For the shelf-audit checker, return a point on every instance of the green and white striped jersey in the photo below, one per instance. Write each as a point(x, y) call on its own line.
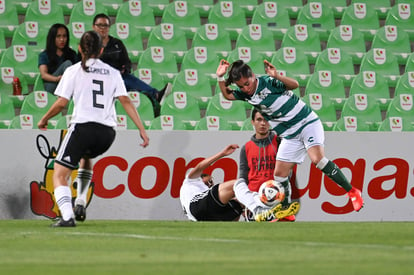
point(287, 113)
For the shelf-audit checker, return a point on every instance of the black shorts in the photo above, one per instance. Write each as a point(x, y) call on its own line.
point(209, 207)
point(85, 140)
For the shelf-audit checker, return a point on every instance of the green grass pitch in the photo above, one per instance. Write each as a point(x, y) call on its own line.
point(182, 247)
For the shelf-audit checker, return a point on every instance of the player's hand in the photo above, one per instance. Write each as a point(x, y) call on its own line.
point(230, 149)
point(145, 138)
point(222, 68)
point(42, 124)
point(270, 69)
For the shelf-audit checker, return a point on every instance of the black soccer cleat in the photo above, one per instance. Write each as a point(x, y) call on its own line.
point(63, 223)
point(80, 212)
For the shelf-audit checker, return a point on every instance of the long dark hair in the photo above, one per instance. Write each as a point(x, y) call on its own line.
point(238, 70)
point(91, 45)
point(51, 48)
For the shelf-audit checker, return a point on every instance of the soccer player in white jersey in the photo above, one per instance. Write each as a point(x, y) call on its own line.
point(93, 85)
point(202, 200)
point(299, 127)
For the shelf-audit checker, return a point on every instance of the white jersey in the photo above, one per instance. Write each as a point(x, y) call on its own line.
point(93, 92)
point(192, 189)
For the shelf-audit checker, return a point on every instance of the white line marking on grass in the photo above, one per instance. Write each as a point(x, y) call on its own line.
point(147, 237)
point(289, 243)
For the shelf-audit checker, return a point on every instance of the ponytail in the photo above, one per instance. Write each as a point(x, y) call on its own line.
point(91, 45)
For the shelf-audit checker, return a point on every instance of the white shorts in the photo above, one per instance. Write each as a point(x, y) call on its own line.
point(294, 150)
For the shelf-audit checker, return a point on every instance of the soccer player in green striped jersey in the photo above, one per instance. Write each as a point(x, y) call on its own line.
point(299, 127)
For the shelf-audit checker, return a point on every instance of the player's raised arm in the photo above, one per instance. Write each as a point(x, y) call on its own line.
point(289, 82)
point(196, 172)
point(221, 71)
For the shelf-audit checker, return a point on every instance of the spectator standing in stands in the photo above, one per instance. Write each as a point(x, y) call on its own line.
point(57, 56)
point(116, 55)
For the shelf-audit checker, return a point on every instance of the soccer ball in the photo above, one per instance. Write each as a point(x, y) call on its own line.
point(271, 193)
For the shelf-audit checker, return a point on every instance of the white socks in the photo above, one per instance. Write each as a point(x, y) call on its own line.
point(63, 197)
point(248, 198)
point(83, 181)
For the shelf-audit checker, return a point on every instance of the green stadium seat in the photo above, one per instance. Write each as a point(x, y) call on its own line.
point(247, 125)
point(351, 124)
point(144, 107)
point(81, 19)
point(368, 82)
point(26, 122)
point(272, 17)
point(38, 84)
point(318, 16)
point(396, 124)
point(328, 84)
point(234, 112)
point(138, 14)
point(3, 45)
point(365, 108)
point(6, 86)
point(7, 112)
point(294, 62)
point(402, 15)
point(213, 123)
point(382, 7)
point(112, 6)
point(22, 58)
point(160, 60)
point(384, 63)
point(183, 15)
point(9, 20)
point(292, 6)
point(257, 38)
point(304, 39)
point(337, 6)
point(45, 13)
point(31, 35)
point(131, 37)
point(250, 56)
point(204, 61)
point(171, 38)
point(183, 107)
point(338, 61)
point(394, 40)
point(167, 123)
point(189, 81)
point(63, 122)
point(409, 66)
point(151, 77)
point(405, 84)
point(324, 107)
point(228, 15)
point(76, 30)
point(204, 7)
point(37, 103)
point(215, 38)
point(363, 17)
point(350, 40)
point(21, 5)
point(248, 6)
point(67, 6)
point(401, 106)
point(157, 6)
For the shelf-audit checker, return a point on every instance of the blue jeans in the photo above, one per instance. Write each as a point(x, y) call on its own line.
point(133, 83)
point(50, 87)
